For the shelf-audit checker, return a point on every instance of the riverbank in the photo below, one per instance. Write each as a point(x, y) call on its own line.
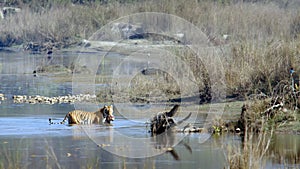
point(259, 44)
point(259, 41)
point(235, 118)
point(25, 129)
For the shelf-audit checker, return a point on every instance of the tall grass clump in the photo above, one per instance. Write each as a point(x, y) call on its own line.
point(12, 157)
point(252, 151)
point(256, 68)
point(260, 120)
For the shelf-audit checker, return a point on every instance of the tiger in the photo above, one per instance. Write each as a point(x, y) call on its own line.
point(102, 116)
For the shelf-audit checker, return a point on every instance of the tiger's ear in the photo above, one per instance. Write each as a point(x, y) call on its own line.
point(111, 106)
point(105, 106)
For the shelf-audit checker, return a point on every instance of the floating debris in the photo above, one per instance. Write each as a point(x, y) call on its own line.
point(2, 97)
point(68, 154)
point(191, 129)
point(53, 100)
point(103, 145)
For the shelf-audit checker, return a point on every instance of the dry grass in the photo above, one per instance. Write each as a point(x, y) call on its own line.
point(251, 153)
point(260, 120)
point(256, 141)
point(263, 36)
point(244, 22)
point(259, 68)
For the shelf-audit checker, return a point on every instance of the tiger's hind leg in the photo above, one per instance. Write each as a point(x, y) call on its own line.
point(66, 117)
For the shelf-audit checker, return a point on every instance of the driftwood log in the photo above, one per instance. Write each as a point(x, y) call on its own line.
point(163, 121)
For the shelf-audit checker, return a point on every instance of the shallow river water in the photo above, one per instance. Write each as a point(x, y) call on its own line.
point(28, 141)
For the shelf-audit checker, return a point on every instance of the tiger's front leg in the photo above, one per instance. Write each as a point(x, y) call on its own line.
point(97, 120)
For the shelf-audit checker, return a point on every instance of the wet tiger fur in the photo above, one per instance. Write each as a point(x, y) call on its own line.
point(103, 115)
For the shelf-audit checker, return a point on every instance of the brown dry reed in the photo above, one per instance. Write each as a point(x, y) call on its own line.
point(262, 44)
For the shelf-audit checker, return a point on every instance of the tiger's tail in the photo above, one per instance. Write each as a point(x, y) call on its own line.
point(51, 122)
point(62, 122)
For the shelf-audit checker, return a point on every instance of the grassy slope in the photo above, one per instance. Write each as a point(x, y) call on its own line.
point(263, 36)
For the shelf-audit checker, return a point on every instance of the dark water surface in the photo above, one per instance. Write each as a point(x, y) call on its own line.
point(28, 141)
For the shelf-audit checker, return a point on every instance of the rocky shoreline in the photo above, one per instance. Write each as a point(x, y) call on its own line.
point(2, 97)
point(53, 100)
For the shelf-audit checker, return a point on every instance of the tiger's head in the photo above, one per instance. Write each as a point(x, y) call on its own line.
point(108, 114)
